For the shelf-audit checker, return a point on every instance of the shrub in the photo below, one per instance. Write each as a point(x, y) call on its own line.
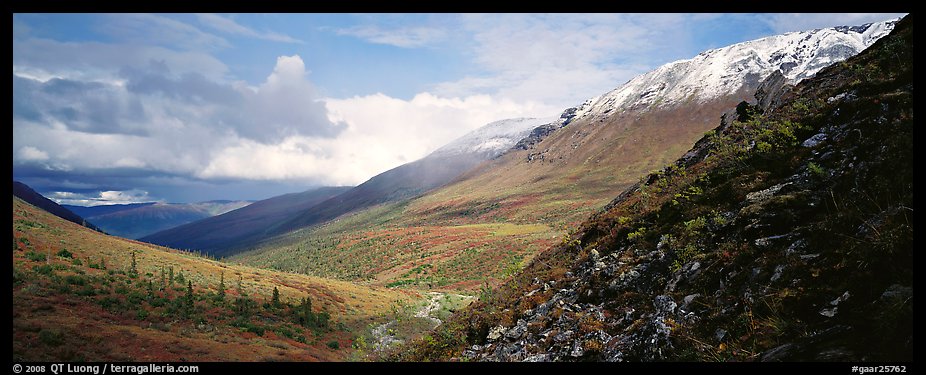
point(64, 253)
point(334, 344)
point(51, 337)
point(35, 257)
point(75, 280)
point(44, 269)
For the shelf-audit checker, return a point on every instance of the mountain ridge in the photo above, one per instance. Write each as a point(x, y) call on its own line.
point(784, 234)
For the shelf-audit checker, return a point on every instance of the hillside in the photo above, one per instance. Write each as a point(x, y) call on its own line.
point(26, 193)
point(395, 185)
point(229, 229)
point(139, 220)
point(79, 295)
point(493, 219)
point(785, 234)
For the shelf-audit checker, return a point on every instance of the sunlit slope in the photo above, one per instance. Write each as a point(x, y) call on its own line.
point(75, 298)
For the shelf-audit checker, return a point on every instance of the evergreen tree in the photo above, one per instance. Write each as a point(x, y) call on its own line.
point(180, 278)
point(170, 275)
point(163, 279)
point(189, 296)
point(221, 295)
point(133, 270)
point(275, 300)
point(308, 317)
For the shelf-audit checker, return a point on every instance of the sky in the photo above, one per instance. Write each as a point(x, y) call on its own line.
point(122, 108)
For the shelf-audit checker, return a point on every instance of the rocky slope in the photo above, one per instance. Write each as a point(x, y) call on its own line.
point(785, 234)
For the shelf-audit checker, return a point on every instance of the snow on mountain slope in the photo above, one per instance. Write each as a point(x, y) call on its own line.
point(493, 138)
point(723, 71)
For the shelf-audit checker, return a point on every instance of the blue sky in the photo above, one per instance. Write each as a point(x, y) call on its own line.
point(115, 108)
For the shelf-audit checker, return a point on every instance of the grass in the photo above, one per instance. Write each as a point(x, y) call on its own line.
point(128, 323)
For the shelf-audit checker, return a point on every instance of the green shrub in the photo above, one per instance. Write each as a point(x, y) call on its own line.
point(44, 269)
point(334, 344)
point(64, 253)
point(35, 257)
point(75, 280)
point(51, 337)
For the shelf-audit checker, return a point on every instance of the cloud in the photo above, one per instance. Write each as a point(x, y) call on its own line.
point(170, 33)
point(382, 132)
point(30, 153)
point(563, 59)
point(228, 25)
point(44, 59)
point(404, 37)
point(787, 22)
point(100, 198)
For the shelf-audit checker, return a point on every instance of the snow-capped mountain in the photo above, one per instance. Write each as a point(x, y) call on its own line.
point(492, 139)
point(726, 70)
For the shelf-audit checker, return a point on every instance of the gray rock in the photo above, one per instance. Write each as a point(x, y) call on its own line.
point(814, 140)
point(664, 305)
point(829, 312)
point(577, 350)
point(763, 195)
point(777, 354)
point(841, 298)
point(896, 292)
point(779, 269)
point(538, 358)
point(720, 334)
point(495, 333)
point(517, 331)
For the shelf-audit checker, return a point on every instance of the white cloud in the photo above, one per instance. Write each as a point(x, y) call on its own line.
point(30, 153)
point(404, 37)
point(382, 132)
point(229, 25)
point(563, 59)
point(786, 22)
point(100, 198)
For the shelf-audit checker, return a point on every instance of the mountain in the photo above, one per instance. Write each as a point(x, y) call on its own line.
point(412, 179)
point(87, 211)
point(397, 184)
point(493, 139)
point(495, 217)
point(32, 197)
point(137, 302)
point(784, 234)
point(599, 148)
point(719, 72)
point(142, 219)
point(240, 225)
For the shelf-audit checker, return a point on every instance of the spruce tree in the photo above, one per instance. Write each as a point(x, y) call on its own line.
point(275, 300)
point(133, 270)
point(221, 294)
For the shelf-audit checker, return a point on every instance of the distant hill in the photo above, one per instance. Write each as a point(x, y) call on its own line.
point(105, 209)
point(141, 219)
point(400, 183)
point(242, 225)
point(32, 197)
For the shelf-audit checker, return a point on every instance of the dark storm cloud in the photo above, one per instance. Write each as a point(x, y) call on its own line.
point(90, 107)
point(190, 87)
